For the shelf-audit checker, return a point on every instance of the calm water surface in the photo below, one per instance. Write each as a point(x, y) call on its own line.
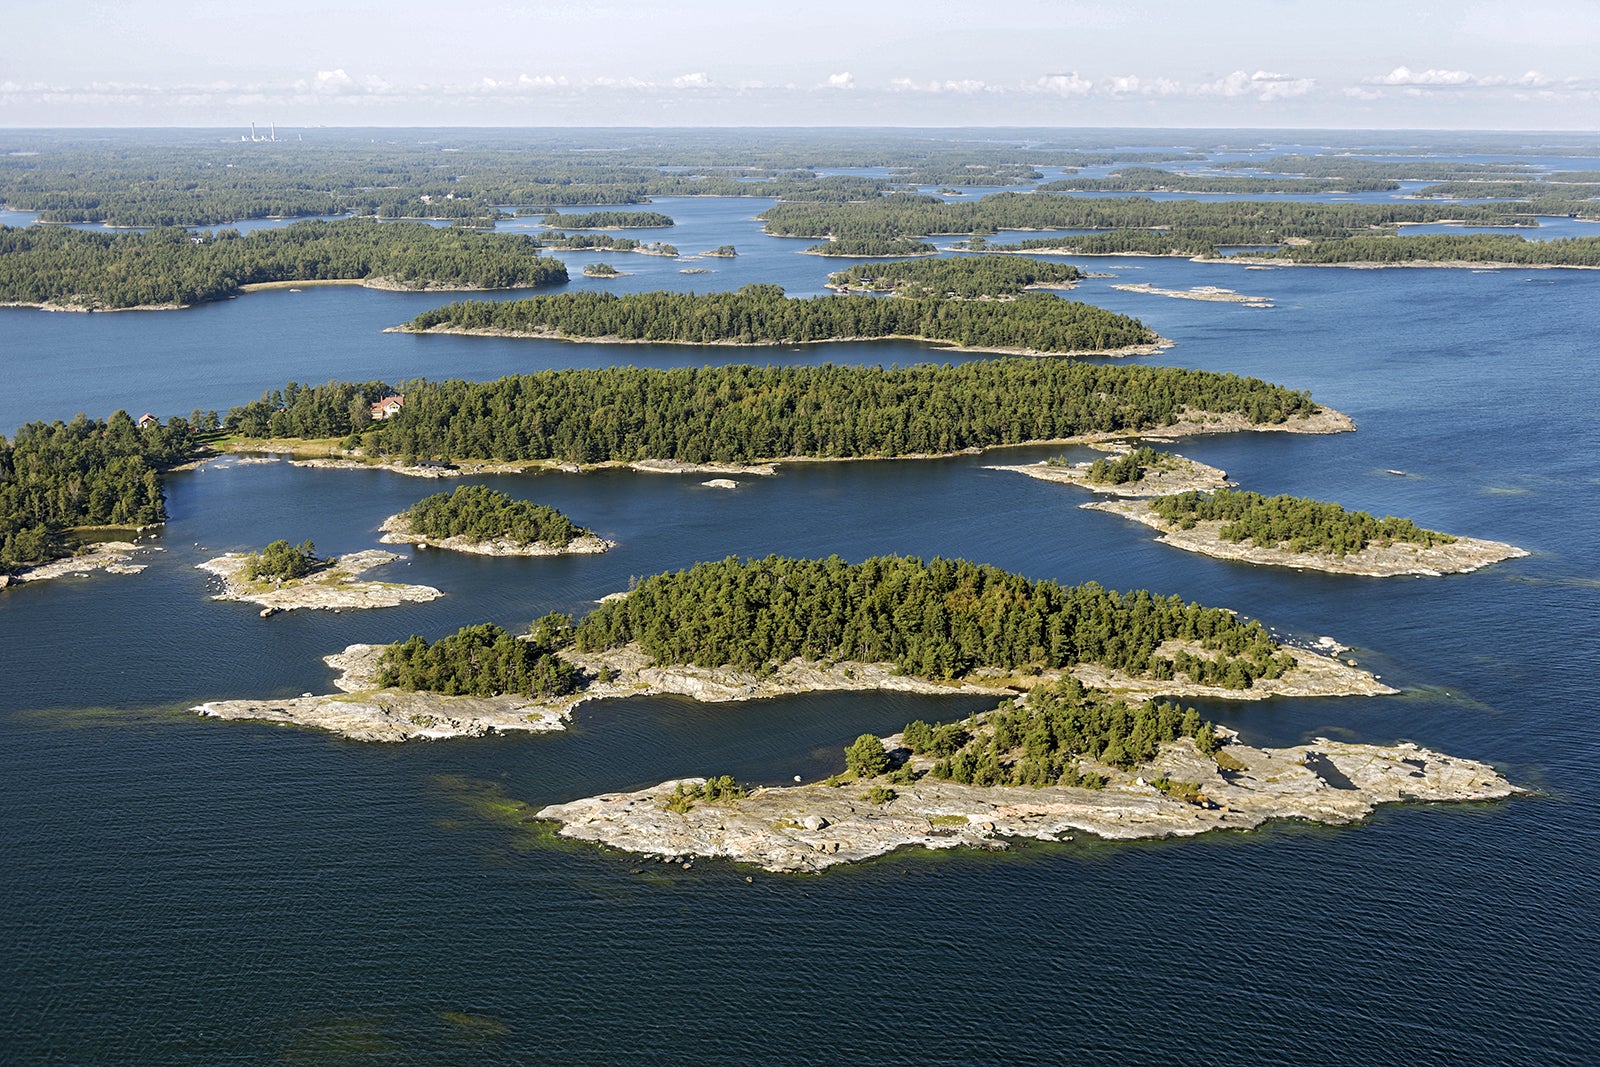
point(182, 891)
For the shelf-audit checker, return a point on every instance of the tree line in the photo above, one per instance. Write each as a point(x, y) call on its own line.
point(59, 475)
point(1251, 222)
point(1298, 523)
point(941, 619)
point(1041, 740)
point(479, 513)
point(739, 412)
point(48, 264)
point(482, 660)
point(1449, 247)
point(761, 314)
point(1156, 180)
point(965, 277)
point(610, 220)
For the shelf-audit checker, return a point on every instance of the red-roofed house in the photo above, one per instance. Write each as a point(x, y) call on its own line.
point(148, 419)
point(387, 407)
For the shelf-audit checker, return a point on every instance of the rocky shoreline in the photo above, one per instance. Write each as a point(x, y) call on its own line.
point(1461, 556)
point(1199, 292)
point(396, 533)
point(336, 587)
point(1180, 474)
point(112, 557)
point(809, 828)
point(363, 712)
point(1151, 348)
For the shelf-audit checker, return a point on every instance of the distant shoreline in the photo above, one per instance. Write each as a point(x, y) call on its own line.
point(1149, 349)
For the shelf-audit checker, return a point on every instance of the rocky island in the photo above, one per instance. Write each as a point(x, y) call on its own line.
point(732, 630)
point(1295, 532)
point(487, 522)
point(326, 584)
point(1180, 793)
point(1128, 472)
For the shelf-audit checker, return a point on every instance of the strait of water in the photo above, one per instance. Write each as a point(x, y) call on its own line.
point(182, 891)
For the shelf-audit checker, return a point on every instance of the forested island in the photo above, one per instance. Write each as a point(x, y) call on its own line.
point(872, 247)
point(965, 278)
point(739, 414)
point(1155, 180)
point(57, 477)
point(735, 630)
point(763, 315)
point(610, 220)
point(484, 521)
point(600, 242)
point(1061, 761)
point(57, 267)
point(1298, 532)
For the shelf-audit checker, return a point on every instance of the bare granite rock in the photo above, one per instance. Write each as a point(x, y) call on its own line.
point(1460, 556)
point(113, 557)
point(805, 829)
point(336, 587)
point(364, 712)
point(1180, 475)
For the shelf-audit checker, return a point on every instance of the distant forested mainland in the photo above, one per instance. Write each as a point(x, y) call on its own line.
point(1296, 523)
point(740, 413)
point(87, 472)
point(761, 314)
point(966, 277)
point(939, 619)
point(64, 267)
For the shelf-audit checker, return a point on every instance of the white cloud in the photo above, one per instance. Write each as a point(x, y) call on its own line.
point(1407, 76)
point(698, 80)
point(1263, 85)
point(842, 80)
point(1065, 84)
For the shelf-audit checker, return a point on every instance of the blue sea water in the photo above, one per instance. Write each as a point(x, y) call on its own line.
point(183, 891)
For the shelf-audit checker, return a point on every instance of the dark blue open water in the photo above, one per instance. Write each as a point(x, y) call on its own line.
point(180, 891)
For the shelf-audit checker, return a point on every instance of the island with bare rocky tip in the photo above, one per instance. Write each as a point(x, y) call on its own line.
point(732, 631)
point(1128, 472)
point(283, 577)
point(487, 522)
point(1061, 762)
point(1287, 531)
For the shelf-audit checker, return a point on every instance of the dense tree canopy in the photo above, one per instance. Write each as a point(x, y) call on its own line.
point(1296, 523)
point(1040, 740)
point(761, 314)
point(49, 264)
point(54, 476)
point(734, 413)
point(481, 660)
point(610, 220)
point(941, 619)
point(282, 561)
point(479, 513)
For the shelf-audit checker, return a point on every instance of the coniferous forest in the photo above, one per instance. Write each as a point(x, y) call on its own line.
point(761, 314)
point(479, 513)
point(1300, 524)
point(739, 413)
point(76, 268)
point(940, 619)
point(100, 472)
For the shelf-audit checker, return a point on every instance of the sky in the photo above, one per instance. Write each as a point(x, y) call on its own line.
point(1347, 64)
